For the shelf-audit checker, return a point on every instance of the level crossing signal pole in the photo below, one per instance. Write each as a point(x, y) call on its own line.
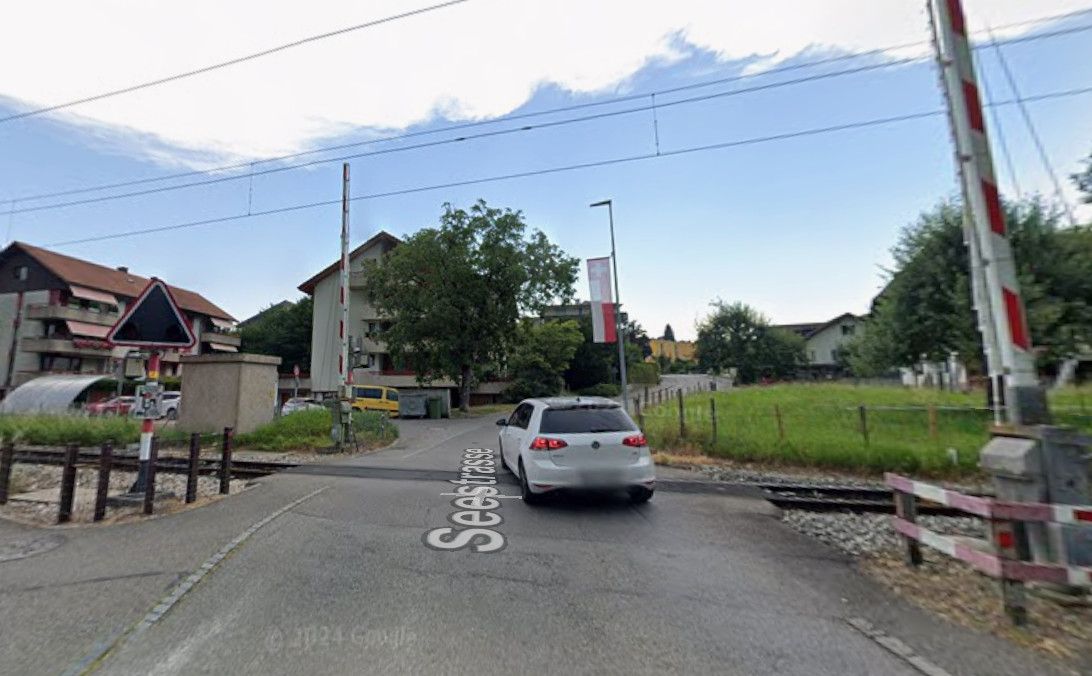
point(345, 368)
point(998, 302)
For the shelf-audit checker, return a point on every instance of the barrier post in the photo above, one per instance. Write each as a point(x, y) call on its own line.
point(906, 508)
point(191, 469)
point(68, 483)
point(7, 457)
point(225, 462)
point(102, 489)
point(149, 484)
point(1005, 536)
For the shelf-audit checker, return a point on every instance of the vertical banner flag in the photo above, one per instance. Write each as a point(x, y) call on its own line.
point(602, 304)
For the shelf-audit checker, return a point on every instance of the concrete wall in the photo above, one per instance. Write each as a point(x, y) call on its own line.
point(9, 337)
point(228, 390)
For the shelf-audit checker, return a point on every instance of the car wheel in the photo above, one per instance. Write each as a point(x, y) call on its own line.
point(500, 451)
point(529, 498)
point(639, 495)
point(172, 414)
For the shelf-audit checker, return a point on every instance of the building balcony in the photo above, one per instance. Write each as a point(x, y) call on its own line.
point(78, 347)
point(66, 313)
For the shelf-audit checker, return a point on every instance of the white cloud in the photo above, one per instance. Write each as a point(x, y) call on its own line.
point(476, 60)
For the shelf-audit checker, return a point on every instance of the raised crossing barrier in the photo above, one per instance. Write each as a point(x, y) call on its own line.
point(1009, 560)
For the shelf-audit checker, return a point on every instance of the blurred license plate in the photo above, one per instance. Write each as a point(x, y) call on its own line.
point(600, 477)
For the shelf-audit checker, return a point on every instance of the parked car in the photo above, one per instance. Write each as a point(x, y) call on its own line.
point(576, 442)
point(112, 406)
point(170, 403)
point(376, 398)
point(299, 404)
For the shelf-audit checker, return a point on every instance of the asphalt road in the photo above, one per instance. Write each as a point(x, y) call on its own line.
point(345, 582)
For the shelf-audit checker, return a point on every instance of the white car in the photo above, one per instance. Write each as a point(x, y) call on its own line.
point(576, 442)
point(300, 404)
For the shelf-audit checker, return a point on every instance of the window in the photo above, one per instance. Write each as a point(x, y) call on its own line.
point(811, 355)
point(834, 356)
point(392, 395)
point(585, 420)
point(521, 417)
point(20, 272)
point(369, 393)
point(848, 329)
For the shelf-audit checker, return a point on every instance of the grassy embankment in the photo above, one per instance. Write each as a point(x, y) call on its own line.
point(821, 426)
point(300, 431)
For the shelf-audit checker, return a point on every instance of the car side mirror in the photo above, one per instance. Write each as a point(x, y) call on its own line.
point(502, 423)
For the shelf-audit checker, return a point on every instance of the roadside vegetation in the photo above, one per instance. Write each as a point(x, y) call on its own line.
point(58, 430)
point(919, 431)
point(310, 429)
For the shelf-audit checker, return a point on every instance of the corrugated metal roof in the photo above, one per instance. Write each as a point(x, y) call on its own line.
point(47, 394)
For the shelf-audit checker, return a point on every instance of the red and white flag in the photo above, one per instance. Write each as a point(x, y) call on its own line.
point(602, 304)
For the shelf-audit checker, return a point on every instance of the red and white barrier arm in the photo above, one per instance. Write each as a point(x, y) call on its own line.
point(993, 509)
point(995, 566)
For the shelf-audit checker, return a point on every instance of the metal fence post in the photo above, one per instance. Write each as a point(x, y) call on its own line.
point(682, 416)
point(7, 457)
point(68, 483)
point(102, 488)
point(149, 484)
point(191, 473)
point(1012, 591)
point(933, 422)
point(906, 508)
point(225, 462)
point(780, 422)
point(862, 412)
point(713, 418)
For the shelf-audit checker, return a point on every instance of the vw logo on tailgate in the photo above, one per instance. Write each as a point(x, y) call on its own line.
point(595, 444)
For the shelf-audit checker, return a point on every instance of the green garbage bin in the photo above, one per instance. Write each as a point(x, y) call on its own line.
point(435, 408)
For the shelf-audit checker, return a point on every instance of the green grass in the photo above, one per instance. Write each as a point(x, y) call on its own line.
point(484, 410)
point(310, 429)
point(822, 426)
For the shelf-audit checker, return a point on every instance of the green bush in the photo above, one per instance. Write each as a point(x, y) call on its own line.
point(644, 373)
point(600, 390)
point(310, 429)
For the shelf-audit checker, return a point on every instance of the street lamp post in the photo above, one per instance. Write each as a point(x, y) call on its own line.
point(619, 328)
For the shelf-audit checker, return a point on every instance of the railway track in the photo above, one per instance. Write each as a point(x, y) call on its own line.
point(240, 469)
point(842, 498)
point(786, 496)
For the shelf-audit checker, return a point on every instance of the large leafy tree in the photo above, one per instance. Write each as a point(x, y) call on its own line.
point(926, 307)
point(283, 331)
point(542, 353)
point(455, 293)
point(597, 363)
point(1083, 179)
point(735, 335)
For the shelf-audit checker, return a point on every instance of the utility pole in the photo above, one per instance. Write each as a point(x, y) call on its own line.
point(619, 326)
point(999, 301)
point(345, 368)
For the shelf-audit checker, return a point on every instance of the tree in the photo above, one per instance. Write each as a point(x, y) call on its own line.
point(282, 331)
point(454, 294)
point(669, 334)
point(926, 307)
point(542, 353)
point(738, 336)
point(1083, 179)
point(596, 363)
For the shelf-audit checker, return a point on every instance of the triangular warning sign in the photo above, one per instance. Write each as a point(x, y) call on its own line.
point(153, 320)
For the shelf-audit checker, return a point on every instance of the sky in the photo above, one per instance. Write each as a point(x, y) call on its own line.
point(799, 226)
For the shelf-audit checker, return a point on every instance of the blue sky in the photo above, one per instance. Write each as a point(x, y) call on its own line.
point(798, 228)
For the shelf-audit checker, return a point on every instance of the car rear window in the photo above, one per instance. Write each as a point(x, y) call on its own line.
point(585, 420)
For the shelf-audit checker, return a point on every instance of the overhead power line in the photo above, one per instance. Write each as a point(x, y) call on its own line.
point(875, 122)
point(230, 62)
point(460, 139)
point(563, 109)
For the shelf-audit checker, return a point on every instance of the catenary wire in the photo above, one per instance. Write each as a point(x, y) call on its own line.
point(572, 167)
point(568, 108)
point(1035, 138)
point(231, 62)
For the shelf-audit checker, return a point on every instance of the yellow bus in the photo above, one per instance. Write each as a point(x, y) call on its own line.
point(376, 398)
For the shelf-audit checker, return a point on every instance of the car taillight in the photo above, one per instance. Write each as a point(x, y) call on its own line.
point(637, 441)
point(547, 444)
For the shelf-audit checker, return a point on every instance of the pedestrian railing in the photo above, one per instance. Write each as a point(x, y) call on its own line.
point(106, 461)
point(1007, 558)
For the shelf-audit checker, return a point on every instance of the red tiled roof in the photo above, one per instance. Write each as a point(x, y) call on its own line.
point(125, 284)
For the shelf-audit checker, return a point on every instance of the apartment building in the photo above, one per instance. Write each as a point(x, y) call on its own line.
point(56, 310)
